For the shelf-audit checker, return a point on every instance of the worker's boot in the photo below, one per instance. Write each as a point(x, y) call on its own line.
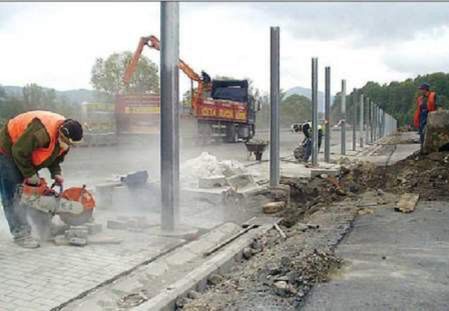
point(27, 241)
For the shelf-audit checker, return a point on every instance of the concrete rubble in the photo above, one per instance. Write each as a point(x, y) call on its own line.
point(207, 166)
point(407, 203)
point(437, 132)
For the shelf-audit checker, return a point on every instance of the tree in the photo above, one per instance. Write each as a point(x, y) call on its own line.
point(36, 97)
point(107, 75)
point(295, 108)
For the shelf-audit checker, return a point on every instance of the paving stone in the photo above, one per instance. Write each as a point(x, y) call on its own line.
point(273, 207)
point(76, 232)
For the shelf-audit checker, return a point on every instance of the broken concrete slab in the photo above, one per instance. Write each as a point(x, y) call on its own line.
point(241, 181)
point(437, 131)
point(314, 172)
point(407, 203)
point(212, 182)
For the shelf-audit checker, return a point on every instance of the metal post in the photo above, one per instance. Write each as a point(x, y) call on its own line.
point(327, 113)
point(315, 111)
point(379, 119)
point(354, 120)
point(274, 100)
point(371, 123)
point(366, 119)
point(169, 114)
point(362, 134)
point(374, 123)
point(343, 121)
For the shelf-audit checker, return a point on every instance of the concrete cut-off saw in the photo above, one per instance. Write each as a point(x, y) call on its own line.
point(74, 206)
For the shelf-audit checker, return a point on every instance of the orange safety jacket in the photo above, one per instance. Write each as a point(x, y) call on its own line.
point(51, 121)
point(431, 106)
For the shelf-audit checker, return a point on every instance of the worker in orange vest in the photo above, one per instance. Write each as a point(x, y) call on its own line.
point(29, 142)
point(426, 103)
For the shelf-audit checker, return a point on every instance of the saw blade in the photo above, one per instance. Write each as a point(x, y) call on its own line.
point(76, 219)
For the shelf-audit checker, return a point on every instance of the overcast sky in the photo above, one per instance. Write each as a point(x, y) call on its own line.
point(55, 44)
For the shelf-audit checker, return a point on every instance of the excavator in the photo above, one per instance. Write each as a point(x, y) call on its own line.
point(223, 108)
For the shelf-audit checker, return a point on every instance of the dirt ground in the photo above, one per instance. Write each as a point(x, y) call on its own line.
point(280, 275)
point(281, 272)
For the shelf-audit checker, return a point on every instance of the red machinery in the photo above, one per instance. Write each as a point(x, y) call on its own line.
point(222, 107)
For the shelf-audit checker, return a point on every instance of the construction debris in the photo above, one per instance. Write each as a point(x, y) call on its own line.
point(407, 203)
point(207, 165)
point(247, 253)
point(76, 232)
point(241, 181)
point(215, 279)
point(437, 132)
point(212, 182)
point(273, 207)
point(281, 233)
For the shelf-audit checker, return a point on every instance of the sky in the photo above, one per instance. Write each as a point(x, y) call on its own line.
point(56, 44)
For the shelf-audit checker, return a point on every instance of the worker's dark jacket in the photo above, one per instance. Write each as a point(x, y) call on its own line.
point(34, 137)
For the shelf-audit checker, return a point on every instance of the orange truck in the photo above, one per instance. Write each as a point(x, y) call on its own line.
point(223, 108)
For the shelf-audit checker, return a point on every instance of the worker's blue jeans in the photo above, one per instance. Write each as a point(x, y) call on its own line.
point(10, 178)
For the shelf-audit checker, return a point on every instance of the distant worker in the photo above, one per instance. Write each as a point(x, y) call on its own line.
point(306, 150)
point(29, 142)
point(426, 103)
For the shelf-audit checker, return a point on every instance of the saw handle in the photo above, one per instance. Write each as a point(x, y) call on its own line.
point(61, 188)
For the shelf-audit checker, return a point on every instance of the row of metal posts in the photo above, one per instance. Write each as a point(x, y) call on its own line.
point(373, 122)
point(379, 122)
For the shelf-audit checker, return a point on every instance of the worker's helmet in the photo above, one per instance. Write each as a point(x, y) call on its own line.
point(296, 127)
point(424, 86)
point(72, 131)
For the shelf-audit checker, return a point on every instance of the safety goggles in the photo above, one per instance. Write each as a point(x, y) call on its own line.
point(68, 140)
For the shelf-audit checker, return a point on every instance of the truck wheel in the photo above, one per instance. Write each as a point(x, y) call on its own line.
point(236, 136)
point(232, 134)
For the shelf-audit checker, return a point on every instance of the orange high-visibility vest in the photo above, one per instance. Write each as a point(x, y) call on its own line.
point(430, 107)
point(51, 121)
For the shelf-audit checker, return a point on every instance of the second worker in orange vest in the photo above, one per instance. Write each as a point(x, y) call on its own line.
point(29, 142)
point(426, 102)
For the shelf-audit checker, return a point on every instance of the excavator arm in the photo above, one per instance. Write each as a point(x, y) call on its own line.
point(154, 43)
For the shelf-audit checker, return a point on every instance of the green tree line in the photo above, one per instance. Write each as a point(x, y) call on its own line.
point(396, 98)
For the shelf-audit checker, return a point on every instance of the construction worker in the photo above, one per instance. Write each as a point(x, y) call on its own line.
point(426, 102)
point(29, 142)
point(306, 128)
point(308, 133)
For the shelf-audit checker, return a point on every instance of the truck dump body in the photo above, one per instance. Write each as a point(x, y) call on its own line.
point(228, 102)
point(222, 110)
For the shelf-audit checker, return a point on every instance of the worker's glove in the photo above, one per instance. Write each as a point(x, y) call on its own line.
point(33, 180)
point(59, 180)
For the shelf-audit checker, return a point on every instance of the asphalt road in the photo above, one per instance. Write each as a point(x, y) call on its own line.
point(394, 261)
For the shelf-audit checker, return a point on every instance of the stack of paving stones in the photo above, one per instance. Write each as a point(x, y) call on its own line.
point(78, 235)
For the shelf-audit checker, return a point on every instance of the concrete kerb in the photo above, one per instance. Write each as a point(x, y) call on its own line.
point(220, 262)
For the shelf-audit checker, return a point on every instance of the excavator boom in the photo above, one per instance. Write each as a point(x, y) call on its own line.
point(154, 43)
